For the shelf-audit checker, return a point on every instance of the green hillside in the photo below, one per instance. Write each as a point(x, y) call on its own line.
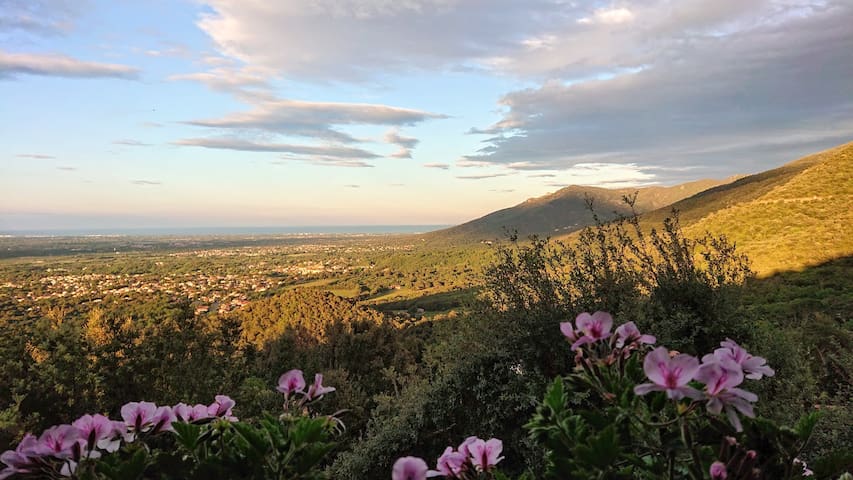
point(788, 218)
point(566, 211)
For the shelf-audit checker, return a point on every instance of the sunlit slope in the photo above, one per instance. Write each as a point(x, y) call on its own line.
point(566, 211)
point(806, 219)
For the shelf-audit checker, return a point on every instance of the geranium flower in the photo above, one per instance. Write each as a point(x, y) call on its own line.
point(569, 331)
point(19, 460)
point(669, 375)
point(61, 441)
point(138, 416)
point(162, 419)
point(183, 412)
point(449, 464)
point(409, 468)
point(317, 390)
point(221, 407)
point(721, 378)
point(754, 367)
point(628, 333)
point(485, 454)
point(463, 447)
point(291, 382)
point(99, 431)
point(595, 327)
point(718, 471)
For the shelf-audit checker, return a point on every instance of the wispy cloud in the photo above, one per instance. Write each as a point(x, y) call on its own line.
point(324, 161)
point(318, 119)
point(13, 65)
point(352, 185)
point(152, 124)
point(405, 143)
point(131, 143)
point(146, 182)
point(40, 18)
point(244, 81)
point(332, 151)
point(38, 156)
point(442, 166)
point(481, 177)
point(66, 168)
point(542, 175)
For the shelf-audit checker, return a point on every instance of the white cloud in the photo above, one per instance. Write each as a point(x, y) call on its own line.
point(713, 99)
point(54, 65)
point(336, 40)
point(609, 16)
point(645, 82)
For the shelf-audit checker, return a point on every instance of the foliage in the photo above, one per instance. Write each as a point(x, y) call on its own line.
point(596, 423)
point(686, 290)
point(198, 442)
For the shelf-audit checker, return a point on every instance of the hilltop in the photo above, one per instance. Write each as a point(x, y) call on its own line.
point(787, 218)
point(566, 211)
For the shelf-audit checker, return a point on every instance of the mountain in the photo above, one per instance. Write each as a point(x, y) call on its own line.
point(791, 217)
point(566, 211)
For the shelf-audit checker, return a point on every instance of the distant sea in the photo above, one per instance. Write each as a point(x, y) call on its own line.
point(214, 231)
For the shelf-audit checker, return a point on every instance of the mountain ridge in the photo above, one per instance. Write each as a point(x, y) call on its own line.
point(566, 210)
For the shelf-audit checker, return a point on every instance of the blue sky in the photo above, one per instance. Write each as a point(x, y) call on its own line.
point(244, 112)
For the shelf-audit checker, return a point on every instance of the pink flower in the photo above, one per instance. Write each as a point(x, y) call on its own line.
point(628, 333)
point(221, 407)
point(99, 431)
point(138, 416)
point(19, 460)
point(595, 327)
point(199, 412)
point(463, 447)
point(450, 464)
point(485, 454)
point(721, 378)
point(317, 390)
point(669, 375)
point(61, 441)
point(183, 412)
point(807, 472)
point(755, 367)
point(409, 468)
point(568, 330)
point(290, 382)
point(718, 471)
point(162, 419)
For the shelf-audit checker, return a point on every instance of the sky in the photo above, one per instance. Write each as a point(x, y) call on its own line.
point(173, 113)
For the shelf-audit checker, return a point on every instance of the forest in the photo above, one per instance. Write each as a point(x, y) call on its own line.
point(428, 346)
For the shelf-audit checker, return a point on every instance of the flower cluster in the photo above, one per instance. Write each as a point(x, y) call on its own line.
point(592, 328)
point(472, 457)
point(721, 373)
point(60, 448)
point(293, 382)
